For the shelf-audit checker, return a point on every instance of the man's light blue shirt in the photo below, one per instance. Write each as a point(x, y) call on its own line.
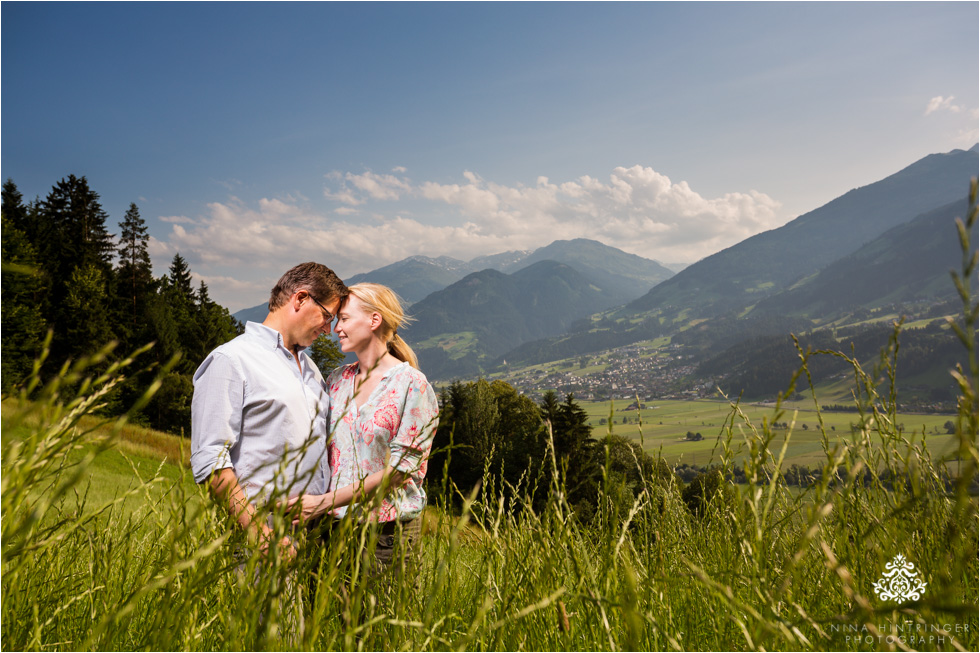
point(254, 411)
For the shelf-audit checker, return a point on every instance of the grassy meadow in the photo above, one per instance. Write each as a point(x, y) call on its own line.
point(107, 544)
point(662, 426)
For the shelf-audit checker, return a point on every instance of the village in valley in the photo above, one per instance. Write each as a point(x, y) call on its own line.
point(643, 371)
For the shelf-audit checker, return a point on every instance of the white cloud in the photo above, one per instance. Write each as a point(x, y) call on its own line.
point(942, 103)
point(158, 250)
point(344, 195)
point(354, 188)
point(177, 219)
point(238, 247)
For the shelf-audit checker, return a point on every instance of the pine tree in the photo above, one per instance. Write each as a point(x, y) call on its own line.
point(180, 278)
point(78, 230)
point(76, 251)
point(23, 325)
point(179, 296)
point(25, 220)
point(134, 272)
point(549, 408)
point(161, 323)
point(573, 433)
point(216, 324)
point(575, 450)
point(13, 206)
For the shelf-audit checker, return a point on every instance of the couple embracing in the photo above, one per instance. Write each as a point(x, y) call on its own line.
point(267, 427)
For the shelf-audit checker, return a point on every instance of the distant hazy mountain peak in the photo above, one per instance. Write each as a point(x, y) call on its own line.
point(443, 262)
point(502, 261)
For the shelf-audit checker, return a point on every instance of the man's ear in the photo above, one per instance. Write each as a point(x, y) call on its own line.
point(296, 301)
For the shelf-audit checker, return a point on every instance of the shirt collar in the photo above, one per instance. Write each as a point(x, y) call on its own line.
point(267, 336)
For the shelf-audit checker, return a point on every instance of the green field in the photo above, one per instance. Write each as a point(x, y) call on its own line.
point(104, 548)
point(455, 344)
point(661, 427)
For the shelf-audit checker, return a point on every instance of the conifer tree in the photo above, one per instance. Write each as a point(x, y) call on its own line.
point(216, 324)
point(549, 408)
point(575, 450)
point(13, 206)
point(76, 251)
point(23, 325)
point(78, 230)
point(180, 299)
point(180, 278)
point(134, 272)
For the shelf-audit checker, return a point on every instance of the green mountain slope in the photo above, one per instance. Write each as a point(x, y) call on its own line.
point(459, 328)
point(907, 264)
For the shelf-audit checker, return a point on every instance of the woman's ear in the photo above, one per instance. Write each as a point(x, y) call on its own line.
point(375, 321)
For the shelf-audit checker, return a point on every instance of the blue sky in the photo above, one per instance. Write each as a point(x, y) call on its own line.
point(253, 136)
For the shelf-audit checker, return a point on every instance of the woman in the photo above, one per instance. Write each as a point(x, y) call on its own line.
point(383, 413)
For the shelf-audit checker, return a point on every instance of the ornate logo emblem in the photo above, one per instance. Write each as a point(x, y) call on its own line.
point(900, 582)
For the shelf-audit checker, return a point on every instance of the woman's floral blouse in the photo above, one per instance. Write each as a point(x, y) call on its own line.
point(395, 424)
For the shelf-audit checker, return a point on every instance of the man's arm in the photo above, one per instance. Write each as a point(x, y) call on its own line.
point(226, 489)
point(216, 421)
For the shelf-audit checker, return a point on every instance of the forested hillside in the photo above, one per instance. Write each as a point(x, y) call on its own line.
point(65, 272)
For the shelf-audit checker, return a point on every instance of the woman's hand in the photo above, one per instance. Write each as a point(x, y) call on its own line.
point(307, 507)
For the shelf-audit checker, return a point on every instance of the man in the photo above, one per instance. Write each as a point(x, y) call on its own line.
point(258, 429)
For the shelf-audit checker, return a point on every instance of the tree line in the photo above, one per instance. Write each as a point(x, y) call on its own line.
point(495, 439)
point(65, 273)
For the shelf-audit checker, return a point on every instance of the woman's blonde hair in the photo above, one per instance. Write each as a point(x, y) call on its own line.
point(383, 301)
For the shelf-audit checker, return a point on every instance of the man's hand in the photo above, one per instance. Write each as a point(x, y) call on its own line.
point(225, 486)
point(287, 547)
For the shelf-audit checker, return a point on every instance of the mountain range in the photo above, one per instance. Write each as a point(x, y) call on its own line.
point(889, 243)
point(619, 276)
point(627, 276)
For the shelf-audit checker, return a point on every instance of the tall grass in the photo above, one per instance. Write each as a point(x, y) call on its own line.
point(756, 567)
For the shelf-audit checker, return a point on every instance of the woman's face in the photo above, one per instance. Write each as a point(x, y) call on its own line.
point(354, 325)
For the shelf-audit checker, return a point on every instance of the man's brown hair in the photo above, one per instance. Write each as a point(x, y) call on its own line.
point(315, 278)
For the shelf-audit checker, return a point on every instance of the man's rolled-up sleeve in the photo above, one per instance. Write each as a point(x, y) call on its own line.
point(216, 414)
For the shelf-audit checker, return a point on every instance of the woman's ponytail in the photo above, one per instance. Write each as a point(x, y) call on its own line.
point(400, 350)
